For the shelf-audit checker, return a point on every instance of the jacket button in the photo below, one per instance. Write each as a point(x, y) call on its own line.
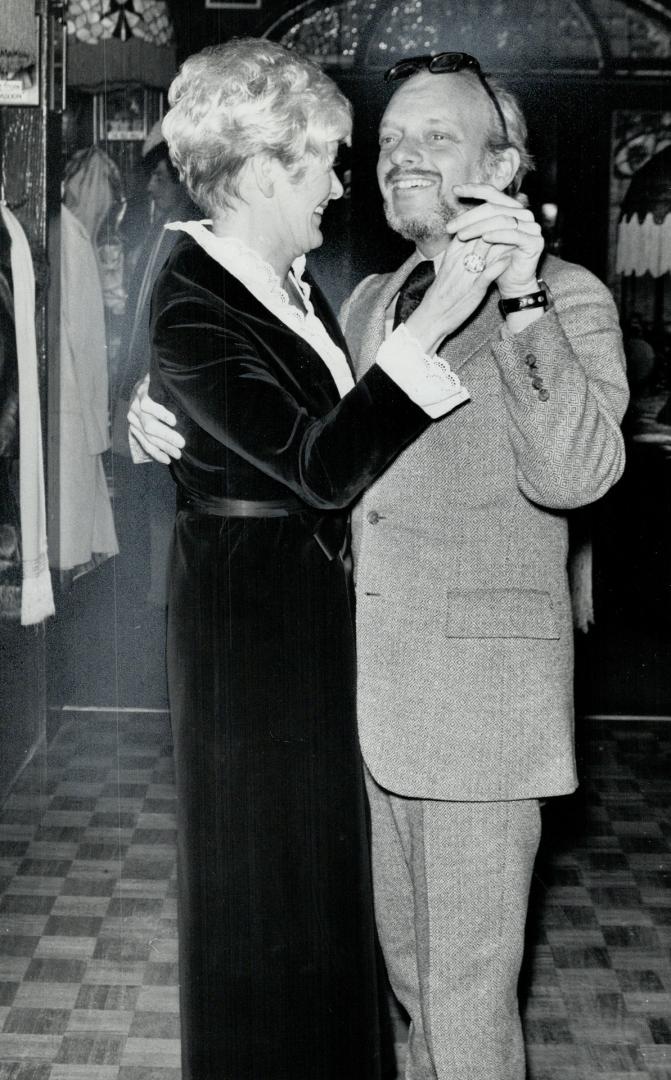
point(530, 360)
point(537, 383)
point(543, 395)
point(373, 517)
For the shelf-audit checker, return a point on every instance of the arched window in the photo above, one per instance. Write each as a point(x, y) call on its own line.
point(586, 35)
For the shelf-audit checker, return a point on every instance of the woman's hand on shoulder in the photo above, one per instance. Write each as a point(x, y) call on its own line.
point(152, 426)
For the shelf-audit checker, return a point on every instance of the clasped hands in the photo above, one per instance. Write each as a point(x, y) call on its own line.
point(508, 239)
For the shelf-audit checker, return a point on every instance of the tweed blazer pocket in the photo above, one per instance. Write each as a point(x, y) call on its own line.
point(500, 613)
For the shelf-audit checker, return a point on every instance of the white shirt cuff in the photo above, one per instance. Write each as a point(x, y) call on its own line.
point(427, 380)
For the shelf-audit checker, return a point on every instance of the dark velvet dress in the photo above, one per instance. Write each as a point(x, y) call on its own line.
point(278, 961)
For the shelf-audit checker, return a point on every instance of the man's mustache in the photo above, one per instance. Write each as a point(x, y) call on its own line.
point(397, 173)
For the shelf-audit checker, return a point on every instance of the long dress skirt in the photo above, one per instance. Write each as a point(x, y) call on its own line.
point(278, 960)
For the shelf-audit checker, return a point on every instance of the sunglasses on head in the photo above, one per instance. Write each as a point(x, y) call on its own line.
point(442, 64)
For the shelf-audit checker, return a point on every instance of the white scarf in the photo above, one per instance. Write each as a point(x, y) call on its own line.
point(37, 600)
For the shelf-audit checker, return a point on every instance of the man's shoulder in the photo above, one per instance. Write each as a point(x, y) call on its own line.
point(360, 302)
point(370, 284)
point(567, 279)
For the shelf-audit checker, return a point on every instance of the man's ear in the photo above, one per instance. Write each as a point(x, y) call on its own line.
point(263, 172)
point(504, 168)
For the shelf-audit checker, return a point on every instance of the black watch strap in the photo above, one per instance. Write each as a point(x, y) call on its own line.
point(539, 299)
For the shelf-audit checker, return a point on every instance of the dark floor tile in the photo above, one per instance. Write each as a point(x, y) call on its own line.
point(17, 945)
point(26, 904)
point(567, 916)
point(643, 845)
point(161, 974)
point(547, 1031)
point(144, 869)
point(123, 907)
point(8, 992)
point(59, 834)
point(101, 884)
point(141, 1072)
point(607, 862)
point(44, 867)
point(101, 852)
point(24, 1070)
point(661, 916)
point(72, 926)
point(631, 937)
point(122, 948)
point(55, 971)
point(155, 836)
point(108, 998)
point(591, 957)
point(126, 819)
point(660, 1028)
point(640, 981)
point(159, 806)
point(13, 849)
point(71, 802)
point(37, 1021)
point(153, 1025)
point(91, 1049)
point(615, 896)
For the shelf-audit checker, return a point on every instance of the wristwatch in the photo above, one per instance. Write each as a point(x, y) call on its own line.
point(538, 299)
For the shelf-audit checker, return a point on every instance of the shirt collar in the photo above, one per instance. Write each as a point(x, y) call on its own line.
point(242, 261)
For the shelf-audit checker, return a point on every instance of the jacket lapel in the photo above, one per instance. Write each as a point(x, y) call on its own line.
point(373, 335)
point(457, 349)
point(482, 326)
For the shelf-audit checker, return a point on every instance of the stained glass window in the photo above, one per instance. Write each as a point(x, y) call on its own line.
point(631, 34)
point(537, 35)
point(91, 21)
point(331, 34)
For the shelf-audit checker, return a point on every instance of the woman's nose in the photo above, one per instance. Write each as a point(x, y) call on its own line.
point(336, 186)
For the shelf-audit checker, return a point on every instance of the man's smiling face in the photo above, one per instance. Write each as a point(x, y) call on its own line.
point(433, 135)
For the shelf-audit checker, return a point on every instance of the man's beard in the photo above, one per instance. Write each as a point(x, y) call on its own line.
point(428, 225)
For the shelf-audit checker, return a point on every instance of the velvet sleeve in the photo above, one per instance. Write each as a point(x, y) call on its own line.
point(220, 372)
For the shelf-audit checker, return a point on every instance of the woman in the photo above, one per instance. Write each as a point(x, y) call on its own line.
point(277, 942)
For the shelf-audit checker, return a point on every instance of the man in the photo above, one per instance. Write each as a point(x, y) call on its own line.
point(463, 612)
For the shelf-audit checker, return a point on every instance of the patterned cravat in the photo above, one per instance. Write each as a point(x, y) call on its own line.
point(412, 290)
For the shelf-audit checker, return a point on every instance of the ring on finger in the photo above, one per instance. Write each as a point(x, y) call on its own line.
point(474, 263)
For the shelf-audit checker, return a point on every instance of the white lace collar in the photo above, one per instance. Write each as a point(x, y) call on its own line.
point(263, 282)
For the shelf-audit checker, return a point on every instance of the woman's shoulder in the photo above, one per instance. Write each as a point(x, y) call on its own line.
point(190, 272)
point(188, 260)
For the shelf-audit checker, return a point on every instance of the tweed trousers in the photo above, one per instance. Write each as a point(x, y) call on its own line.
point(451, 883)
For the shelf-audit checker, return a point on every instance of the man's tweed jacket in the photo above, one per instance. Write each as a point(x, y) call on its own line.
point(463, 613)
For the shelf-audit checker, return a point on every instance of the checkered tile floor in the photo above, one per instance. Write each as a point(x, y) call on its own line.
point(88, 973)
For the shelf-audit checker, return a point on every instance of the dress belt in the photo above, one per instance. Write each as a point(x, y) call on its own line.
point(242, 508)
point(330, 530)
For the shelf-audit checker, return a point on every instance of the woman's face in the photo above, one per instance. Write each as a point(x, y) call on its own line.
point(300, 203)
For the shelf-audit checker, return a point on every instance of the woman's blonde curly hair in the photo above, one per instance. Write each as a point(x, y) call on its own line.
point(246, 97)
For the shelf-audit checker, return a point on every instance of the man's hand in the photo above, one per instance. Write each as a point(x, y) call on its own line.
point(153, 426)
point(499, 219)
